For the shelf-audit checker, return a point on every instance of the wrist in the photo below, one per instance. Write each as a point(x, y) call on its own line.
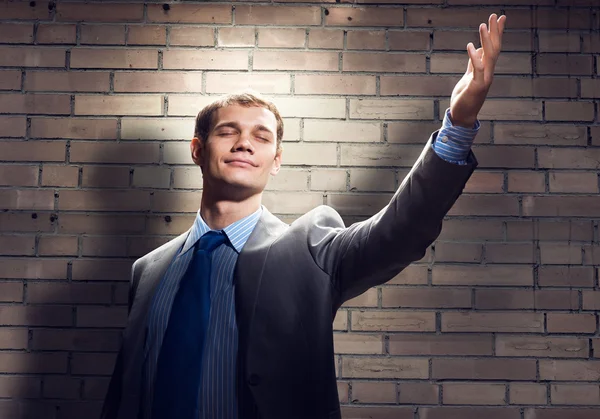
point(463, 122)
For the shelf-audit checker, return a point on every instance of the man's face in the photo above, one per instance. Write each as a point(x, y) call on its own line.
point(240, 152)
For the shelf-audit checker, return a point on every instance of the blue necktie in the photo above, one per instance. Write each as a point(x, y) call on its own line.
point(180, 360)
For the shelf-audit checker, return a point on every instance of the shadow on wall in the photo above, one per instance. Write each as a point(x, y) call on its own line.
point(76, 320)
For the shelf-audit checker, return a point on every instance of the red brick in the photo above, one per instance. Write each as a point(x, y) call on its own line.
point(560, 253)
point(57, 246)
point(16, 33)
point(444, 344)
point(33, 409)
point(11, 292)
point(474, 394)
point(104, 200)
point(511, 110)
point(590, 88)
point(27, 199)
point(542, 346)
point(103, 224)
point(98, 270)
point(75, 340)
point(383, 62)
point(417, 85)
point(24, 10)
point(526, 182)
point(454, 229)
point(90, 152)
point(10, 80)
point(458, 40)
point(371, 367)
point(56, 387)
point(564, 64)
point(65, 176)
point(92, 316)
point(33, 363)
point(189, 36)
point(296, 60)
point(591, 300)
point(352, 343)
point(279, 38)
point(425, 297)
point(418, 393)
point(482, 275)
point(569, 370)
point(469, 413)
point(147, 105)
point(364, 16)
point(568, 158)
point(536, 88)
point(180, 82)
point(560, 413)
point(509, 253)
point(559, 42)
point(504, 156)
point(35, 104)
point(569, 111)
point(563, 206)
point(147, 35)
point(447, 17)
point(484, 369)
point(93, 363)
point(334, 84)
point(18, 387)
point(32, 57)
point(591, 43)
point(575, 394)
point(54, 81)
point(191, 13)
point(99, 12)
point(373, 392)
point(571, 323)
point(503, 299)
point(527, 393)
point(56, 34)
point(566, 276)
point(13, 338)
point(25, 222)
point(485, 205)
point(411, 275)
point(369, 40)
point(231, 82)
point(36, 316)
point(104, 246)
point(114, 58)
point(277, 15)
point(152, 177)
point(368, 412)
point(554, 230)
point(493, 322)
point(409, 41)
point(543, 18)
point(65, 293)
point(485, 182)
point(18, 175)
point(74, 128)
point(103, 34)
point(326, 39)
point(138, 247)
point(209, 60)
point(393, 321)
point(546, 134)
point(105, 177)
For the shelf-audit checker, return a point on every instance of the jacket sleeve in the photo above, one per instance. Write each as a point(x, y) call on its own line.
point(372, 252)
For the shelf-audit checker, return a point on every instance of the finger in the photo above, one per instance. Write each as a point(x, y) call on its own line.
point(475, 62)
point(501, 25)
point(493, 29)
point(486, 42)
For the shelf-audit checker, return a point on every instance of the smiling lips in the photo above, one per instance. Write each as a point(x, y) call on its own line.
point(241, 162)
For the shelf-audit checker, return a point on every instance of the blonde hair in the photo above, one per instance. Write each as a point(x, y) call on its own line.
point(247, 98)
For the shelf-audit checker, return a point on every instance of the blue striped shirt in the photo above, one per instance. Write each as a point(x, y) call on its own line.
point(217, 392)
point(453, 143)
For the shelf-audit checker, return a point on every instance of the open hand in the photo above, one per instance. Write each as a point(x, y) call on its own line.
point(471, 90)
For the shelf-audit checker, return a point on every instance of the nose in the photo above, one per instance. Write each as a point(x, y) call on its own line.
point(243, 143)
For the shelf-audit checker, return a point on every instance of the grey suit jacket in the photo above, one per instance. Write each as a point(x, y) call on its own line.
point(290, 281)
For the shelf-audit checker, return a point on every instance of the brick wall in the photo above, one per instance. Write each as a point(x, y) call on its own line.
point(499, 320)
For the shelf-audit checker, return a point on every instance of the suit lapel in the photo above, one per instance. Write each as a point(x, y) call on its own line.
point(249, 270)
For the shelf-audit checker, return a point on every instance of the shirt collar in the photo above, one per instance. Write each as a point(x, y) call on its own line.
point(237, 233)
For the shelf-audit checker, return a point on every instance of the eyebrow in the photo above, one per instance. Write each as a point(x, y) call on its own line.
point(235, 125)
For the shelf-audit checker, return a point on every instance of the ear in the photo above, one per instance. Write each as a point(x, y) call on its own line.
point(276, 163)
point(197, 150)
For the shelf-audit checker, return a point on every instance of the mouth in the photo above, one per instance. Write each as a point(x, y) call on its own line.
point(240, 162)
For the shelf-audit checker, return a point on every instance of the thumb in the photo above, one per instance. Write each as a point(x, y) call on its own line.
point(475, 62)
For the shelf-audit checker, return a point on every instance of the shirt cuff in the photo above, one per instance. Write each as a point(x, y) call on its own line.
point(453, 143)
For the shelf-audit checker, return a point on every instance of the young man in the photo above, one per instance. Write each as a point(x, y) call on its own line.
point(233, 319)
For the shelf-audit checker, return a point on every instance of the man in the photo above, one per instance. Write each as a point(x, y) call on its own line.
point(233, 319)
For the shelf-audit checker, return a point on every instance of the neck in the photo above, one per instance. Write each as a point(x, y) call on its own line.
point(219, 213)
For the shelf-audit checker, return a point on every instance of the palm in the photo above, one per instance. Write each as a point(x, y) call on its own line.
point(471, 90)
